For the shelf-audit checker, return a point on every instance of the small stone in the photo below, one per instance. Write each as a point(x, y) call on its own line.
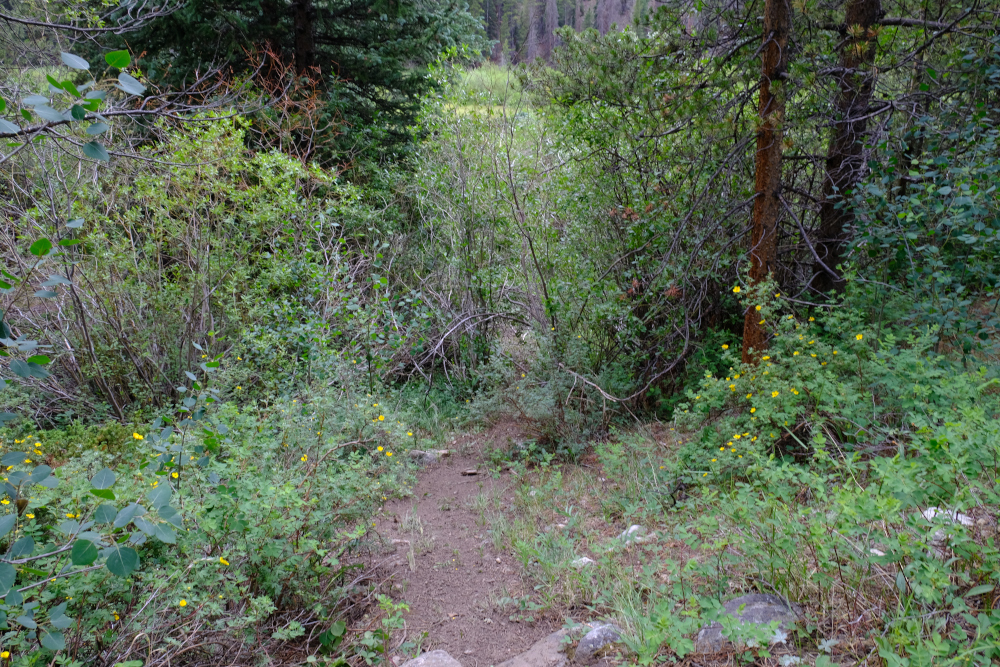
point(437, 658)
point(428, 456)
point(758, 609)
point(581, 562)
point(470, 472)
point(599, 636)
point(547, 652)
point(632, 533)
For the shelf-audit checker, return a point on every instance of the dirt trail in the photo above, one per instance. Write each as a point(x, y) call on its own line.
point(455, 578)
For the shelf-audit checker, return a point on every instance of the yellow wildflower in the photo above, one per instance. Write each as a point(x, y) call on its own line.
point(223, 561)
point(736, 290)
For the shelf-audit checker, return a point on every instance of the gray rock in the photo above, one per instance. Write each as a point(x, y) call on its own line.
point(581, 562)
point(632, 533)
point(428, 456)
point(547, 652)
point(758, 609)
point(600, 635)
point(437, 658)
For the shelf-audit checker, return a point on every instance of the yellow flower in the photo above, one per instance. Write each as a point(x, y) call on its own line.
point(777, 295)
point(27, 460)
point(835, 352)
point(203, 356)
point(758, 307)
point(733, 387)
point(410, 433)
point(714, 460)
point(753, 410)
point(795, 353)
point(174, 475)
point(736, 290)
point(762, 322)
point(722, 449)
point(732, 449)
point(749, 395)
point(116, 617)
point(223, 561)
point(774, 394)
point(811, 342)
point(183, 603)
point(725, 347)
point(381, 418)
point(304, 458)
point(388, 453)
point(5, 502)
point(740, 455)
point(813, 355)
point(5, 654)
point(823, 364)
point(239, 358)
point(765, 358)
point(812, 319)
point(736, 436)
point(137, 436)
point(30, 515)
point(859, 336)
point(69, 516)
point(38, 444)
point(380, 448)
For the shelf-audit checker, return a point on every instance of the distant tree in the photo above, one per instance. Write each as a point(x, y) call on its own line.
point(370, 55)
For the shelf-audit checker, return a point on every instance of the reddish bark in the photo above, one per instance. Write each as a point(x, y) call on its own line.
point(767, 164)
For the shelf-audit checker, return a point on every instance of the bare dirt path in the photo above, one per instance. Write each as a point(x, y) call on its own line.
point(450, 573)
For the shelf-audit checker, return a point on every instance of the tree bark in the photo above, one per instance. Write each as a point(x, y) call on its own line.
point(845, 159)
point(767, 164)
point(303, 17)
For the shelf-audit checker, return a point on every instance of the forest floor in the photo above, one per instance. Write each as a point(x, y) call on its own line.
point(460, 587)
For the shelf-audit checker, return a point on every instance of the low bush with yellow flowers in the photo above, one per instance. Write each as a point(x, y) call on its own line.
point(239, 521)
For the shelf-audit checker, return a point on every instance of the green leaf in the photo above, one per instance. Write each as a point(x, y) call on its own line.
point(123, 561)
point(46, 294)
point(7, 577)
point(46, 112)
point(23, 547)
point(84, 552)
point(96, 129)
point(52, 82)
point(26, 622)
point(71, 89)
point(130, 84)
point(165, 534)
point(69, 242)
point(75, 223)
point(7, 127)
point(3, 105)
point(127, 513)
point(53, 640)
point(168, 513)
point(40, 248)
point(104, 479)
point(39, 474)
point(7, 521)
point(37, 371)
point(106, 494)
point(118, 59)
point(979, 590)
point(145, 525)
point(76, 62)
point(20, 368)
point(95, 151)
point(77, 112)
point(39, 359)
point(159, 496)
point(105, 514)
point(13, 458)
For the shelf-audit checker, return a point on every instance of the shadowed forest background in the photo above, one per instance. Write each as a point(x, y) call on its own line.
point(742, 256)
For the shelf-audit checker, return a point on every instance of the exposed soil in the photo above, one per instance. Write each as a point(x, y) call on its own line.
point(455, 579)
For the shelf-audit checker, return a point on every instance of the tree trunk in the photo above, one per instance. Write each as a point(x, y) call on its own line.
point(303, 16)
point(845, 159)
point(767, 164)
